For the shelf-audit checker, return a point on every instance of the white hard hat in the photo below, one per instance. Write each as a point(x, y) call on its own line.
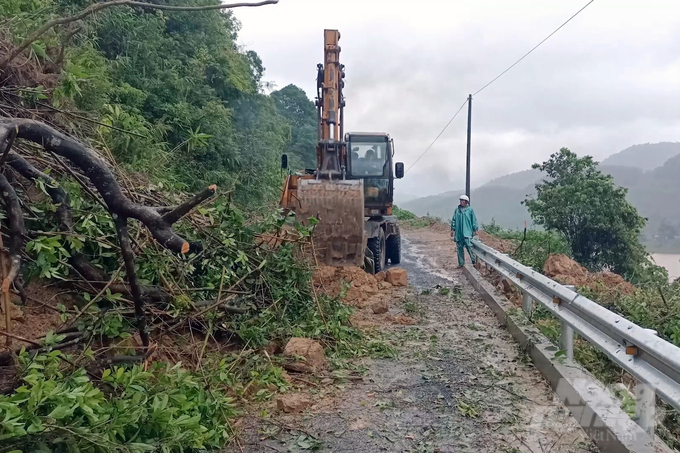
point(464, 197)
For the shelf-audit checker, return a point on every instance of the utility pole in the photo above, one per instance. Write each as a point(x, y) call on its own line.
point(469, 131)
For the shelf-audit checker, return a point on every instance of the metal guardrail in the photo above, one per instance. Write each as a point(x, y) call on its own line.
point(654, 362)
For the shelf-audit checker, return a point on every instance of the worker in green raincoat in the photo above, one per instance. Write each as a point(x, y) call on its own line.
point(463, 227)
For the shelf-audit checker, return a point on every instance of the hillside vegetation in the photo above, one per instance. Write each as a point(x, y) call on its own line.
point(149, 279)
point(185, 103)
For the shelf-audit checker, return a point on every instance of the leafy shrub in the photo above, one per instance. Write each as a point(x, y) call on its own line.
point(403, 214)
point(533, 247)
point(165, 409)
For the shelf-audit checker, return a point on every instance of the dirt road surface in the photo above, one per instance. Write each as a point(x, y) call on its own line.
point(459, 383)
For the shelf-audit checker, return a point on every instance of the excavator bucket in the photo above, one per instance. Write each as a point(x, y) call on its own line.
point(338, 205)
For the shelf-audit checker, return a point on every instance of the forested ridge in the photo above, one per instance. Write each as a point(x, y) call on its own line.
point(187, 103)
point(149, 282)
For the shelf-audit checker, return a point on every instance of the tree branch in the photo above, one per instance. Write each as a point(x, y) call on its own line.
point(16, 230)
point(129, 259)
point(10, 141)
point(58, 195)
point(96, 170)
point(100, 6)
point(183, 209)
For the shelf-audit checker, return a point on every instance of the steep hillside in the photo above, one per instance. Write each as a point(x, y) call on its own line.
point(646, 157)
point(139, 148)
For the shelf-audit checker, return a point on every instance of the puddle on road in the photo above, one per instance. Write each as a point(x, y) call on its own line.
point(420, 267)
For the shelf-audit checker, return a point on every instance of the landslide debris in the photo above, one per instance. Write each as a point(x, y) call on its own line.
point(564, 270)
point(371, 295)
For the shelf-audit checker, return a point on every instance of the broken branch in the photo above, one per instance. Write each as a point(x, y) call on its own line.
point(58, 195)
point(129, 259)
point(10, 141)
point(16, 230)
point(102, 178)
point(183, 209)
point(17, 337)
point(5, 296)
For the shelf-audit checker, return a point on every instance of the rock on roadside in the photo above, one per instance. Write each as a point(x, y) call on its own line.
point(311, 350)
point(380, 307)
point(293, 403)
point(397, 277)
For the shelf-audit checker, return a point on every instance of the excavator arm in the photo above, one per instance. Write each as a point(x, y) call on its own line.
point(336, 202)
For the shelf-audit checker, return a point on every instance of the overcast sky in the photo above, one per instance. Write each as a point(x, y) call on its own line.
point(608, 80)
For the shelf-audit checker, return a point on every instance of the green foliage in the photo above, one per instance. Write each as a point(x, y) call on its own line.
point(407, 218)
point(165, 409)
point(180, 106)
point(585, 206)
point(177, 81)
point(403, 214)
point(293, 104)
point(533, 247)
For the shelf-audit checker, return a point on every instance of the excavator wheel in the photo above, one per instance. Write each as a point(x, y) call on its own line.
point(377, 246)
point(338, 205)
point(394, 248)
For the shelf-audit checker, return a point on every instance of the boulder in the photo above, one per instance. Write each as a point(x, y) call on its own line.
point(397, 277)
point(311, 350)
point(380, 307)
point(293, 403)
point(381, 276)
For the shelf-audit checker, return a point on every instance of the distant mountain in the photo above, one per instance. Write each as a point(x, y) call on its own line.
point(653, 189)
point(500, 204)
point(645, 157)
point(520, 180)
point(401, 198)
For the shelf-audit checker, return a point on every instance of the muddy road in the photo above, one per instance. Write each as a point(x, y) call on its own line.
point(459, 383)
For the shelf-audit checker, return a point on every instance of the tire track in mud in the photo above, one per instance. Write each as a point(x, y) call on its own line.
point(459, 383)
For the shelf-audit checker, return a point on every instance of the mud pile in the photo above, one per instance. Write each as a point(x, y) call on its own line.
point(369, 294)
point(564, 270)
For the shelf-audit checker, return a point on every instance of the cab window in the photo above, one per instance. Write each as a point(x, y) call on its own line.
point(368, 156)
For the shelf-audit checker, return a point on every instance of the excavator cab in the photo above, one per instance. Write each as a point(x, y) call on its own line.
point(371, 160)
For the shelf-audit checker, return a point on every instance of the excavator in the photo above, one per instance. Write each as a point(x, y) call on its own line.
point(348, 197)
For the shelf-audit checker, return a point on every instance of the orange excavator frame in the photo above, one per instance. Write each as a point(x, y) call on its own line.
point(337, 203)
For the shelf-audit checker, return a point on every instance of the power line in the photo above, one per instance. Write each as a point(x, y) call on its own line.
point(535, 47)
point(496, 78)
point(440, 134)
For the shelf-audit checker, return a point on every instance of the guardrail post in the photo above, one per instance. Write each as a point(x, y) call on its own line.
point(527, 303)
point(567, 340)
point(567, 334)
point(645, 407)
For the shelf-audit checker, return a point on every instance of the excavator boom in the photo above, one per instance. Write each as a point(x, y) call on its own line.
point(327, 195)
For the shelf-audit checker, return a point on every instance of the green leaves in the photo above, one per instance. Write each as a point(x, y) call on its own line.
point(583, 204)
point(51, 338)
point(51, 256)
point(164, 409)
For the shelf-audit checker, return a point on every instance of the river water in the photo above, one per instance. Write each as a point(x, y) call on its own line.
point(670, 261)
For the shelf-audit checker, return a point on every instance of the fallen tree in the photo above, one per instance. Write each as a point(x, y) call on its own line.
point(120, 207)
